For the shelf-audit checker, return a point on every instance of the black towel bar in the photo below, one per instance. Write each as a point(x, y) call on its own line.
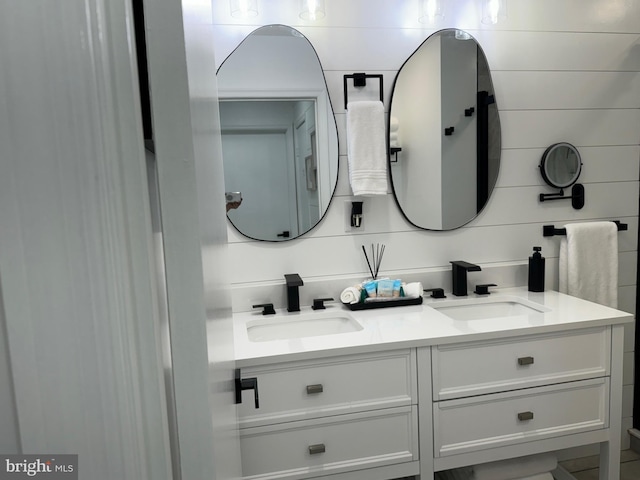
point(360, 80)
point(551, 230)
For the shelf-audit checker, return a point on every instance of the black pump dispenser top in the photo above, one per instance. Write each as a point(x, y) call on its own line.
point(536, 271)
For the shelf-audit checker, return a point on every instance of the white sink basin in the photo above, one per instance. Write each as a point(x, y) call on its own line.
point(486, 308)
point(300, 326)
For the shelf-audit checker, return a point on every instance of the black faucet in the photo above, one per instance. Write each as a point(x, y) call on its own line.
point(459, 271)
point(293, 295)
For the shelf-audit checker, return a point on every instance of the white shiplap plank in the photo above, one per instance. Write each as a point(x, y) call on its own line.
point(529, 129)
point(562, 51)
point(554, 90)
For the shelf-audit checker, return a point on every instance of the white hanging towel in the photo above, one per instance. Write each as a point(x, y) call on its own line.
point(367, 148)
point(588, 262)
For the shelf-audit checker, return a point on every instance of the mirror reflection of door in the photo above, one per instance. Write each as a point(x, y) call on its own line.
point(306, 168)
point(270, 142)
point(271, 83)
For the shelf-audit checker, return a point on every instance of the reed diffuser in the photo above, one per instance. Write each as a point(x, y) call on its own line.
point(377, 253)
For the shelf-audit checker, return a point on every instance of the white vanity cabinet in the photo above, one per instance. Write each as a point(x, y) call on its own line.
point(504, 398)
point(416, 392)
point(331, 416)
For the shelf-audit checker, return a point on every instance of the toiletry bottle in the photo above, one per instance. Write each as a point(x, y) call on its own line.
point(536, 271)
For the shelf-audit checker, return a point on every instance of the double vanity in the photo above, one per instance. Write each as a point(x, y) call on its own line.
point(397, 392)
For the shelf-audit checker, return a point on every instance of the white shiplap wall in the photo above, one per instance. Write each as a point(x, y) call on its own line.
point(564, 70)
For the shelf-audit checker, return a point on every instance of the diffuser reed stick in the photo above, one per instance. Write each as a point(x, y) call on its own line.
point(377, 253)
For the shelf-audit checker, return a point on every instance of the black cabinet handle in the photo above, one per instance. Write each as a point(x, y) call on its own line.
point(525, 361)
point(313, 389)
point(246, 384)
point(468, 112)
point(449, 131)
point(524, 416)
point(285, 234)
point(315, 449)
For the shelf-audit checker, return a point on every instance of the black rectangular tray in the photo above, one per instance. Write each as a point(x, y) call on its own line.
point(399, 302)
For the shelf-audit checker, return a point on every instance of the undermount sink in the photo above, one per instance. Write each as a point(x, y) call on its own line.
point(301, 326)
point(486, 308)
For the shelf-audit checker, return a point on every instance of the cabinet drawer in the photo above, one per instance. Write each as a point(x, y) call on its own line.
point(328, 446)
point(486, 367)
point(489, 421)
point(310, 389)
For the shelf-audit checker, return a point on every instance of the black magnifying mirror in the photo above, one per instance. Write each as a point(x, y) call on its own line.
point(560, 167)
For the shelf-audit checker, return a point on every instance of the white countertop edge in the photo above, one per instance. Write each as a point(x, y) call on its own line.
point(421, 326)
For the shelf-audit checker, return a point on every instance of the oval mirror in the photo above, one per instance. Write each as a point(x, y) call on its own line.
point(279, 136)
point(561, 165)
point(444, 132)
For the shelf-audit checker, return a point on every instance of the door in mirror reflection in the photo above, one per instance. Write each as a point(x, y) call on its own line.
point(447, 128)
point(279, 137)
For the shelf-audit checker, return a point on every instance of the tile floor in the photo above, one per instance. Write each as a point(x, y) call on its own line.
point(587, 468)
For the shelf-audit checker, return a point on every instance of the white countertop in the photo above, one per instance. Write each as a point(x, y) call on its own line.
point(421, 325)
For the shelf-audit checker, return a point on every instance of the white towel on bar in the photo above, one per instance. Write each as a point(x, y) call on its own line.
point(588, 263)
point(367, 148)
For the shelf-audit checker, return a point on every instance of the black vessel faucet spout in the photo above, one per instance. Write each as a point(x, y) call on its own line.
point(293, 281)
point(459, 269)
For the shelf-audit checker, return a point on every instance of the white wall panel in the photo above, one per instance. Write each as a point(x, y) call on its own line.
point(554, 90)
point(541, 128)
point(560, 51)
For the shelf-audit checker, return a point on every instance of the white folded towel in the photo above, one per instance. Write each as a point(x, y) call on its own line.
point(588, 262)
point(540, 476)
point(350, 295)
point(413, 289)
point(532, 467)
point(366, 148)
point(516, 467)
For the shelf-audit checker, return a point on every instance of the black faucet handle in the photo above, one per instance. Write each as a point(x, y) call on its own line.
point(436, 292)
point(318, 303)
point(293, 280)
point(267, 308)
point(483, 288)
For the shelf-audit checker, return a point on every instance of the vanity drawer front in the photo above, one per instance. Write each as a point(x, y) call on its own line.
point(315, 388)
point(479, 368)
point(331, 445)
point(495, 420)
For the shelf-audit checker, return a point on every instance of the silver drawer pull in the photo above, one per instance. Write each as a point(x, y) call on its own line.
point(315, 449)
point(525, 361)
point(524, 416)
point(311, 389)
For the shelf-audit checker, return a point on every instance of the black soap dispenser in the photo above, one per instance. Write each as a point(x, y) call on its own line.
point(536, 271)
